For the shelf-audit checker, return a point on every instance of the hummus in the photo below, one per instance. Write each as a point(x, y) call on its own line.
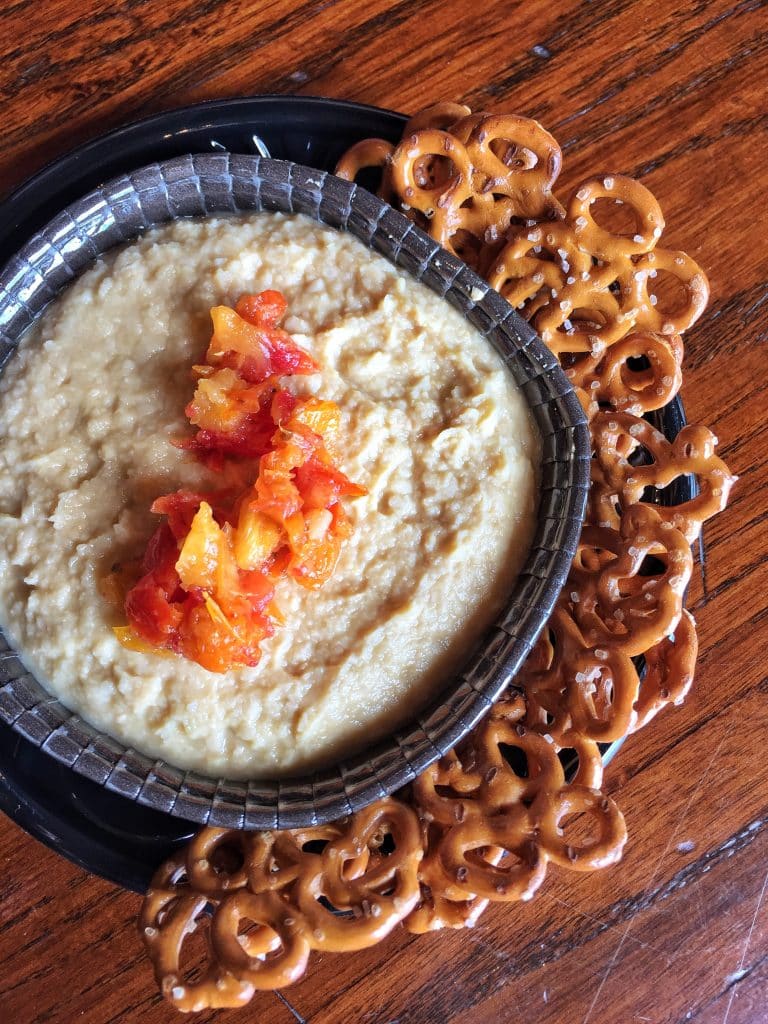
point(433, 426)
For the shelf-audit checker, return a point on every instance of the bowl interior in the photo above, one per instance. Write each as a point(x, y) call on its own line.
point(223, 182)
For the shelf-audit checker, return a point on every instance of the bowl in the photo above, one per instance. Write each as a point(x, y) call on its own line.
point(195, 186)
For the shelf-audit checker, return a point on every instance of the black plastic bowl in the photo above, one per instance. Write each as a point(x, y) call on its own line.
point(197, 185)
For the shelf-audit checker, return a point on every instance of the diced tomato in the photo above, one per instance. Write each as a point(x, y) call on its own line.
point(283, 404)
point(266, 309)
point(286, 357)
point(181, 507)
point(276, 493)
point(268, 351)
point(150, 612)
point(321, 486)
point(249, 440)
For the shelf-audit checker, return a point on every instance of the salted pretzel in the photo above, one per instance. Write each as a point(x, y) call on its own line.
point(669, 667)
point(484, 822)
point(464, 176)
point(621, 380)
point(440, 115)
point(578, 689)
point(369, 154)
point(626, 602)
point(633, 458)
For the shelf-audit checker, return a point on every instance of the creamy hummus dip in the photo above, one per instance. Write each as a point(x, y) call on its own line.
point(433, 426)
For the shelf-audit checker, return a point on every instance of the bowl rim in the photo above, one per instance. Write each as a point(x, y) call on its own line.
point(218, 183)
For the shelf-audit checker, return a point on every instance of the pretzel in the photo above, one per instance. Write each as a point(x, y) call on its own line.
point(369, 154)
point(439, 201)
point(592, 854)
point(621, 603)
point(613, 381)
point(442, 904)
point(440, 115)
point(607, 297)
point(278, 953)
point(464, 177)
point(668, 671)
point(483, 823)
point(374, 891)
point(579, 690)
point(170, 914)
point(617, 483)
point(380, 894)
point(515, 157)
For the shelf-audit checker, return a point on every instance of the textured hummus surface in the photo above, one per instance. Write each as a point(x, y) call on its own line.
point(433, 426)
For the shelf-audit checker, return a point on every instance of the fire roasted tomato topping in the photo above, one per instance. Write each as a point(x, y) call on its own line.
point(209, 571)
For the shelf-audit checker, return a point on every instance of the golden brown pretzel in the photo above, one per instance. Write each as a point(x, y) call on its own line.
point(443, 904)
point(440, 115)
point(378, 895)
point(669, 669)
point(617, 437)
point(277, 858)
point(370, 153)
point(613, 381)
point(441, 201)
point(582, 690)
point(276, 955)
point(170, 914)
point(515, 157)
point(216, 860)
point(622, 603)
point(516, 877)
point(606, 245)
point(637, 296)
point(593, 853)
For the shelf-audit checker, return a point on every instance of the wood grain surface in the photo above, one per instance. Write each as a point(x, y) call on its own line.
point(674, 93)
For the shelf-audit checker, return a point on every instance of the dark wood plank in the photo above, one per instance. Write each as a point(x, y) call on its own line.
point(673, 93)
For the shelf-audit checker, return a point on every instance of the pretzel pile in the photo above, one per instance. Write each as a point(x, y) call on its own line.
point(482, 824)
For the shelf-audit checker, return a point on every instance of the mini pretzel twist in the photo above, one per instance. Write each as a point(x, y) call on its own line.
point(651, 383)
point(369, 154)
point(626, 603)
point(515, 157)
point(669, 669)
point(275, 888)
point(579, 689)
point(379, 896)
point(438, 198)
point(591, 854)
point(443, 904)
point(171, 913)
point(273, 956)
point(464, 177)
point(602, 302)
point(620, 440)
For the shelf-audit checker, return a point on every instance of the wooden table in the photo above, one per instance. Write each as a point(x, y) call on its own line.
point(675, 94)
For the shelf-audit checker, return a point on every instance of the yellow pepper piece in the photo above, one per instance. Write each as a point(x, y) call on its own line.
point(128, 639)
point(218, 615)
point(323, 418)
point(256, 538)
point(202, 551)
